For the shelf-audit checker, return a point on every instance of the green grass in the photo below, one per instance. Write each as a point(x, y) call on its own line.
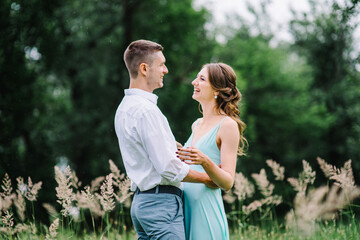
point(323, 231)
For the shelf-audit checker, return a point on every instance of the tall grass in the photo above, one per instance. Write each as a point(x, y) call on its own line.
point(310, 212)
point(104, 202)
point(100, 210)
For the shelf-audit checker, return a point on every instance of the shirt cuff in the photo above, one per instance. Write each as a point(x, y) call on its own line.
point(184, 171)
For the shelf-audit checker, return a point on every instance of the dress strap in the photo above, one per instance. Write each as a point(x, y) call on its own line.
point(198, 120)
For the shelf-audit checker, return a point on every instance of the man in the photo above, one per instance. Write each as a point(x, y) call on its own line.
point(149, 148)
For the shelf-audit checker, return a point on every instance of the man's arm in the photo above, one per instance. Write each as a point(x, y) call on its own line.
point(198, 177)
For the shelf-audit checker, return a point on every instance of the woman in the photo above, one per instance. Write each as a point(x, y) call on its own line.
point(216, 140)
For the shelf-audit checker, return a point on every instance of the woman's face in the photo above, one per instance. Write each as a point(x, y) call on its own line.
point(203, 91)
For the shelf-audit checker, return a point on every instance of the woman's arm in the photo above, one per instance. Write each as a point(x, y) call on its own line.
point(223, 176)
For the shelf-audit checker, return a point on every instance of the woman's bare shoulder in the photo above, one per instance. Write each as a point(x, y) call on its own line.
point(229, 126)
point(195, 123)
point(229, 122)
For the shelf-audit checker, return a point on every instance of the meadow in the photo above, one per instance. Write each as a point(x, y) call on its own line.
point(100, 210)
point(62, 77)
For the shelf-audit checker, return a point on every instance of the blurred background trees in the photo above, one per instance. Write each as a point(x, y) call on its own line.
point(325, 39)
point(62, 77)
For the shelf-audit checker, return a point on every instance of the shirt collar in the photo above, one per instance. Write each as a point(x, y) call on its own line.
point(139, 92)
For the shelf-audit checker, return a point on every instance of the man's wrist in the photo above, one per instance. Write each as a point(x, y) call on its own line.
point(205, 178)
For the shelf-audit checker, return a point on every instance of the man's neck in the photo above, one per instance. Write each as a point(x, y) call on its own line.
point(140, 84)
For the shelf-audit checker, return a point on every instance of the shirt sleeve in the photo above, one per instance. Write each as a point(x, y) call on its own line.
point(160, 145)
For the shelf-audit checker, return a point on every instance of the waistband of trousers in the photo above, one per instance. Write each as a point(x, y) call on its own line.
point(162, 189)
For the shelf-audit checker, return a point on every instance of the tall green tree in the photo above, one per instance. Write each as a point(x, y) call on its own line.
point(326, 40)
point(25, 146)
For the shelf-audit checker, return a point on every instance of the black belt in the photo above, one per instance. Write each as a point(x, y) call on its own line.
point(162, 189)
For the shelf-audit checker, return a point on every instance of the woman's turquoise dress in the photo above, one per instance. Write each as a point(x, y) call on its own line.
point(203, 207)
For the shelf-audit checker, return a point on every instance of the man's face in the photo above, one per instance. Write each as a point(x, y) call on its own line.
point(157, 71)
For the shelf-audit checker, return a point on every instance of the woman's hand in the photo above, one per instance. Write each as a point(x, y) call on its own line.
point(191, 155)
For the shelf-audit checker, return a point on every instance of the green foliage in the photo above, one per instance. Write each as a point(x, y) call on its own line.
point(275, 232)
point(24, 138)
point(326, 40)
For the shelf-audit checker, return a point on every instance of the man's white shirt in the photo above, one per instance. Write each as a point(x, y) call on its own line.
point(147, 145)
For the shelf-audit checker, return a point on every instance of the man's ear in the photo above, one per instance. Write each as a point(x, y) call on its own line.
point(143, 69)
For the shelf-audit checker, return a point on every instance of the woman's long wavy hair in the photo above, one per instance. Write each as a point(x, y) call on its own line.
point(223, 80)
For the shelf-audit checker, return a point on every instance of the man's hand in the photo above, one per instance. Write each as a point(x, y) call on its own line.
point(210, 184)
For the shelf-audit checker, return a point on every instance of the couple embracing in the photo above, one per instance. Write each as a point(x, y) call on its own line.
point(178, 189)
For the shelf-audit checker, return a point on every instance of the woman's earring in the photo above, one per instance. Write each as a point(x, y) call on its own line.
point(200, 110)
point(215, 96)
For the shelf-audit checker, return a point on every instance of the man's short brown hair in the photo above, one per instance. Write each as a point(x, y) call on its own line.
point(138, 52)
